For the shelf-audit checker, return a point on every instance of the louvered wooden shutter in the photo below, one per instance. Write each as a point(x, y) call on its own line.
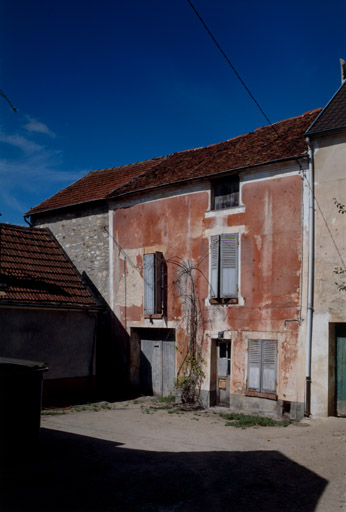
point(229, 265)
point(214, 266)
point(269, 350)
point(158, 281)
point(254, 365)
point(149, 281)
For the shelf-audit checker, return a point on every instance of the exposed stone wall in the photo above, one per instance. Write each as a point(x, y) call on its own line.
point(84, 237)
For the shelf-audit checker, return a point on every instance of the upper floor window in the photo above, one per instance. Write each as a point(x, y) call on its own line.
point(225, 192)
point(154, 278)
point(224, 266)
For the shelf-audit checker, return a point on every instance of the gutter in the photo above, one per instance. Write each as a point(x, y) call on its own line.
point(67, 307)
point(310, 305)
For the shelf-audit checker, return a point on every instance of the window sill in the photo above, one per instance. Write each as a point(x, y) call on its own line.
point(155, 316)
point(268, 396)
point(228, 211)
point(224, 301)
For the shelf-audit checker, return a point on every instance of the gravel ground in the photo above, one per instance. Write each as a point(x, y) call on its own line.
point(139, 456)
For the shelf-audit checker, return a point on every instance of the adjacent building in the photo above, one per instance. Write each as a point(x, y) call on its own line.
point(47, 312)
point(327, 141)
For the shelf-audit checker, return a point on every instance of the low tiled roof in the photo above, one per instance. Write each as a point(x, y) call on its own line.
point(36, 271)
point(333, 116)
point(281, 141)
point(96, 185)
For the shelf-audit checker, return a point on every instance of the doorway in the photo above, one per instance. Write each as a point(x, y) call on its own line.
point(157, 361)
point(223, 372)
point(340, 370)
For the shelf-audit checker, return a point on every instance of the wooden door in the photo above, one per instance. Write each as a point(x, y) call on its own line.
point(157, 363)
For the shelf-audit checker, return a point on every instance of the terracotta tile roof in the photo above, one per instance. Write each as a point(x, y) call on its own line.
point(280, 141)
point(333, 116)
point(262, 146)
point(36, 271)
point(96, 185)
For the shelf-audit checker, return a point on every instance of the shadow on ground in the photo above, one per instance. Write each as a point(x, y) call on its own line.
point(73, 473)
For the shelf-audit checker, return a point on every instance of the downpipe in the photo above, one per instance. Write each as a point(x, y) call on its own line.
point(310, 310)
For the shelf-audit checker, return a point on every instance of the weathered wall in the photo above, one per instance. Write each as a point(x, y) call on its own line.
point(84, 236)
point(269, 222)
point(62, 339)
point(330, 253)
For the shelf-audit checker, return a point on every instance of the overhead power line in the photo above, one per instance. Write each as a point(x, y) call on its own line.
point(268, 121)
point(230, 64)
point(8, 101)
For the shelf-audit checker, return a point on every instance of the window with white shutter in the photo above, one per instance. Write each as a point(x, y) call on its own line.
point(154, 278)
point(262, 364)
point(224, 266)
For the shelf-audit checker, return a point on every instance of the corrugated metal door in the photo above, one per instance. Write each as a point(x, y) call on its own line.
point(157, 363)
point(340, 376)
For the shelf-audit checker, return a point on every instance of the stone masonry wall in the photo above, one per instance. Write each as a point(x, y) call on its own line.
point(85, 239)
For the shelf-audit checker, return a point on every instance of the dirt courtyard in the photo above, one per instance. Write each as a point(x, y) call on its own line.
point(131, 456)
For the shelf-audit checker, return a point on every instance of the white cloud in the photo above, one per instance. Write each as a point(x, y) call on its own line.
point(36, 126)
point(29, 173)
point(26, 145)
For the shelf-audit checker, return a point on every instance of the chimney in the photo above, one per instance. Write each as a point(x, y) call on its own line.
point(343, 70)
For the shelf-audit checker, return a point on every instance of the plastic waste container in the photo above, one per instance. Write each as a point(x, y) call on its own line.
point(20, 404)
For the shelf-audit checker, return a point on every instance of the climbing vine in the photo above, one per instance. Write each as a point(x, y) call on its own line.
point(190, 373)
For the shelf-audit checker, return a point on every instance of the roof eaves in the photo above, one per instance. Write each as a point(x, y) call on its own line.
point(207, 176)
point(309, 130)
point(82, 203)
point(326, 132)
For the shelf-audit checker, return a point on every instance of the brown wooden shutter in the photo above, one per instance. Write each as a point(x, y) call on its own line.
point(158, 282)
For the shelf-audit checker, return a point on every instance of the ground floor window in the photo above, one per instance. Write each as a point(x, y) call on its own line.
point(262, 367)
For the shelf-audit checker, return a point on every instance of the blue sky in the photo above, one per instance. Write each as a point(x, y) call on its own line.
point(103, 83)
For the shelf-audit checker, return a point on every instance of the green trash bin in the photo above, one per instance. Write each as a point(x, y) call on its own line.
point(20, 404)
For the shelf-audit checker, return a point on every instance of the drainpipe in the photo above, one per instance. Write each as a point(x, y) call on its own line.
point(310, 310)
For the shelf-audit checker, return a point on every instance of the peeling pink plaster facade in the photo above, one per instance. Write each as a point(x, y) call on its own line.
point(180, 224)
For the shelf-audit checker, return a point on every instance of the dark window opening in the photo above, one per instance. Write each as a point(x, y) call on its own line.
point(226, 192)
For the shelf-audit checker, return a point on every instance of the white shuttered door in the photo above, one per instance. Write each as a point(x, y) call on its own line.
point(229, 265)
point(262, 361)
point(269, 366)
point(149, 281)
point(214, 266)
point(254, 365)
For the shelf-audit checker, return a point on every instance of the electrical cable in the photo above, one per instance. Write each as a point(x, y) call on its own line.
point(266, 118)
point(8, 101)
